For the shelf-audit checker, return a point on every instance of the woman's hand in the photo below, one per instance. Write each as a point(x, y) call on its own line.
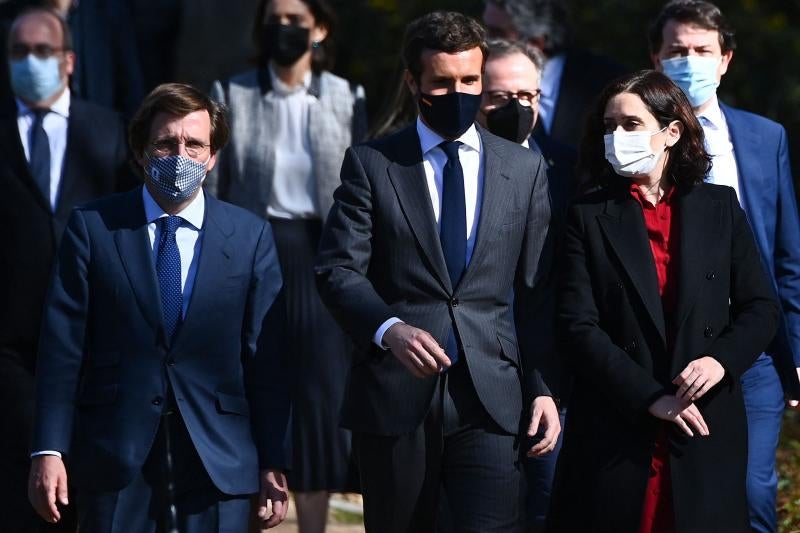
point(685, 414)
point(698, 377)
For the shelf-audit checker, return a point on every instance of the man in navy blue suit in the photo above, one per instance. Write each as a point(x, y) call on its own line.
point(161, 384)
point(691, 42)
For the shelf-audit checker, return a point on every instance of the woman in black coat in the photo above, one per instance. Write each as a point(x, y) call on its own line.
point(663, 305)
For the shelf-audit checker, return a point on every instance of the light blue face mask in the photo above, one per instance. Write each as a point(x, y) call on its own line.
point(35, 80)
point(695, 75)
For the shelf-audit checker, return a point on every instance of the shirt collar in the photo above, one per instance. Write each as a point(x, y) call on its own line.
point(59, 107)
point(637, 193)
point(713, 114)
point(429, 139)
point(281, 88)
point(192, 213)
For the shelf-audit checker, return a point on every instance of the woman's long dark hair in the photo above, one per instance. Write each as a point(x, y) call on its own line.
point(322, 57)
point(689, 162)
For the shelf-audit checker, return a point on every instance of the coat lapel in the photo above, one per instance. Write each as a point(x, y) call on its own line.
point(624, 227)
point(746, 145)
point(495, 197)
point(215, 253)
point(699, 233)
point(136, 253)
point(408, 179)
point(11, 146)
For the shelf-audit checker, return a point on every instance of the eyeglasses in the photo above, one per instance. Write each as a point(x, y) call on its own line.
point(170, 146)
point(41, 51)
point(501, 98)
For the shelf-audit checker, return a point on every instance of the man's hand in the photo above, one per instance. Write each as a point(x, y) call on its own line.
point(274, 491)
point(544, 413)
point(416, 349)
point(698, 377)
point(683, 413)
point(47, 484)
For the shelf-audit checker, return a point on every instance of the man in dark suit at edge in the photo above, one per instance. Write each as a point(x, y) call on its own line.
point(430, 231)
point(162, 380)
point(57, 152)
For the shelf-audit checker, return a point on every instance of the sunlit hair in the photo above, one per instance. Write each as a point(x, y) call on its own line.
point(696, 13)
point(688, 160)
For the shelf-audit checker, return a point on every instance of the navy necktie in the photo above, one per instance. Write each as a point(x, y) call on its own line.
point(168, 268)
point(453, 226)
point(40, 153)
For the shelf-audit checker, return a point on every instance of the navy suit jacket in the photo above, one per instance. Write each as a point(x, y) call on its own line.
point(105, 364)
point(765, 180)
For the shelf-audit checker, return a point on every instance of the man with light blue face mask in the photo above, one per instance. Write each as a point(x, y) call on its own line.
point(57, 152)
point(692, 43)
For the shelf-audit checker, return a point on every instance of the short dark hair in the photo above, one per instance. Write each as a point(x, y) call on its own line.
point(539, 18)
point(445, 31)
point(696, 12)
point(688, 160)
point(503, 48)
point(179, 100)
point(66, 34)
point(322, 56)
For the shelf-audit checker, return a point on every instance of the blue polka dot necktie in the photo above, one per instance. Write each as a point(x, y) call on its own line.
point(168, 268)
point(453, 231)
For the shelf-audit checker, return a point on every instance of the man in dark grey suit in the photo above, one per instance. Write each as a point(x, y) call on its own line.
point(424, 416)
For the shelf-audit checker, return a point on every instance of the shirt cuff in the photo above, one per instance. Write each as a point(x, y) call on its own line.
point(378, 338)
point(46, 452)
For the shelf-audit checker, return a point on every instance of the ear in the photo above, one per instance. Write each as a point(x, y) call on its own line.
point(319, 33)
point(411, 83)
point(723, 64)
point(211, 162)
point(674, 131)
point(69, 63)
point(656, 62)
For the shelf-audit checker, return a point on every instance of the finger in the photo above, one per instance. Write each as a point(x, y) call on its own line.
point(429, 364)
point(699, 417)
point(704, 389)
point(685, 385)
point(533, 427)
point(262, 504)
point(435, 351)
point(696, 385)
point(542, 447)
point(682, 424)
point(413, 365)
point(278, 513)
point(61, 489)
point(50, 502)
point(684, 375)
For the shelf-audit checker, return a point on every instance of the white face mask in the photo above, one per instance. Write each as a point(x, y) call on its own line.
point(630, 153)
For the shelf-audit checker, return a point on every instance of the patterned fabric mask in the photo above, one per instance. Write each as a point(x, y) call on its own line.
point(175, 177)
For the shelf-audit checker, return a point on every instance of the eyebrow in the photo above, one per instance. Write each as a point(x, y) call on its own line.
point(626, 117)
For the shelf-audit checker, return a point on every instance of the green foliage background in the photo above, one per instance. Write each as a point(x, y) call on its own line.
point(764, 76)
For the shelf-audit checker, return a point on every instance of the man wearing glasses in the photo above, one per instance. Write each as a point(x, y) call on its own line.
point(57, 152)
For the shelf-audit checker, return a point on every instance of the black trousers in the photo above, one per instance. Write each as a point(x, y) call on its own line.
point(459, 449)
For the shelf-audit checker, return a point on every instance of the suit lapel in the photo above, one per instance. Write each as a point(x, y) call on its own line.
point(212, 265)
point(408, 179)
point(136, 253)
point(11, 145)
point(624, 227)
point(495, 196)
point(746, 144)
point(71, 178)
point(699, 234)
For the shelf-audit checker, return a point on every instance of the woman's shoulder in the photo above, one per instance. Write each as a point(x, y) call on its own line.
point(338, 85)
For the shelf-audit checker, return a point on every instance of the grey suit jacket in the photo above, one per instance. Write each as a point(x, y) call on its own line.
point(244, 170)
point(380, 257)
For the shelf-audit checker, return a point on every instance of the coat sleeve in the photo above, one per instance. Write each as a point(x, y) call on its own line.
point(753, 309)
point(345, 253)
point(217, 180)
point(61, 344)
point(265, 356)
point(590, 350)
point(534, 293)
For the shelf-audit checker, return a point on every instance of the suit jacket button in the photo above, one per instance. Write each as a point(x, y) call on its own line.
point(170, 362)
point(158, 400)
point(620, 286)
point(711, 275)
point(454, 302)
point(708, 332)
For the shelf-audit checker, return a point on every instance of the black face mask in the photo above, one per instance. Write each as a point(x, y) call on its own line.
point(451, 114)
point(513, 121)
point(284, 43)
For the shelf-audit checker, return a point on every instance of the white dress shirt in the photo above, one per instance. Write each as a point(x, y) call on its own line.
point(293, 184)
point(551, 87)
point(55, 125)
point(189, 243)
point(720, 148)
point(433, 162)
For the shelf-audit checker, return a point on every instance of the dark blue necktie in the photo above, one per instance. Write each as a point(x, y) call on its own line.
point(453, 226)
point(168, 268)
point(40, 153)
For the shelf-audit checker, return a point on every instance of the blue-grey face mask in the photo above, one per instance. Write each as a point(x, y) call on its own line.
point(175, 177)
point(695, 75)
point(35, 80)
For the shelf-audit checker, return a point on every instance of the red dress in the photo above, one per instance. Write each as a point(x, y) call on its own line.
point(661, 223)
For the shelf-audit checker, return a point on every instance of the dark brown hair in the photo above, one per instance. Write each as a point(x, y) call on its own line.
point(445, 31)
point(688, 160)
point(696, 12)
point(179, 100)
point(322, 56)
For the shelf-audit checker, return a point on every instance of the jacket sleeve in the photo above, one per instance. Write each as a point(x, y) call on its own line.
point(753, 309)
point(592, 354)
point(265, 356)
point(61, 344)
point(217, 180)
point(344, 256)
